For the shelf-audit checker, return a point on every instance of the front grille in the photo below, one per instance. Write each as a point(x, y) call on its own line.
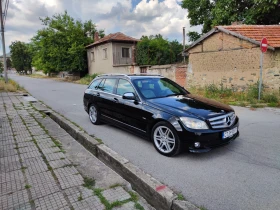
point(223, 121)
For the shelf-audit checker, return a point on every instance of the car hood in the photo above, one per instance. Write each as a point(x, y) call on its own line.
point(185, 105)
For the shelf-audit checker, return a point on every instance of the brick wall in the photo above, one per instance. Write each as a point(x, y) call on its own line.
point(174, 72)
point(180, 75)
point(236, 63)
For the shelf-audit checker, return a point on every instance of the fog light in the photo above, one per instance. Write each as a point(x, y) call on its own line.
point(196, 144)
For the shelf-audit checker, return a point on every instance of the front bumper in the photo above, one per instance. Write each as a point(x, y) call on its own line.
point(208, 139)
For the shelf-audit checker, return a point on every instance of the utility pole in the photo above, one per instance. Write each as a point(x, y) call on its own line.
point(3, 44)
point(184, 35)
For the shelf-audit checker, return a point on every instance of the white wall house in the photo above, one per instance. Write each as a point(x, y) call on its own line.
point(114, 53)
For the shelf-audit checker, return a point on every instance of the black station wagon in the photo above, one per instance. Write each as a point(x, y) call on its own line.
point(161, 110)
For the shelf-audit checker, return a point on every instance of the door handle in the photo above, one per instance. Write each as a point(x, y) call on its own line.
point(116, 100)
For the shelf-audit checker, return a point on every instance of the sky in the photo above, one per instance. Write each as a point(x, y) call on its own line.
point(131, 17)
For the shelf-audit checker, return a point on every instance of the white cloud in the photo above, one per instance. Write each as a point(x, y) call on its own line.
point(146, 18)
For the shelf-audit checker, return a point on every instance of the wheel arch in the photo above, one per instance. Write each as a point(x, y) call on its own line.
point(169, 121)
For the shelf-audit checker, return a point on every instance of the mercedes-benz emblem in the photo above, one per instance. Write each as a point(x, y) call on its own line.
point(228, 120)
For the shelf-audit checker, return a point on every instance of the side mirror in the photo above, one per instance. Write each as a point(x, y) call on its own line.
point(129, 96)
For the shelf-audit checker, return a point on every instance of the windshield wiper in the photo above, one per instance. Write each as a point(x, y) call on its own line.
point(174, 94)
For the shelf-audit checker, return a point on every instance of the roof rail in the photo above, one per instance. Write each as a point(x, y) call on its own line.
point(127, 75)
point(112, 74)
point(144, 74)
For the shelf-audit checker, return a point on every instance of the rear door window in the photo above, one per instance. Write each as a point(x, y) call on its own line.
point(108, 85)
point(94, 84)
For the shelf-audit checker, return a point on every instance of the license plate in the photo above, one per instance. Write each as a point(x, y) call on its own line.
point(230, 133)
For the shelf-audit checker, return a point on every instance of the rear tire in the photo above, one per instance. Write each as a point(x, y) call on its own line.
point(94, 115)
point(165, 139)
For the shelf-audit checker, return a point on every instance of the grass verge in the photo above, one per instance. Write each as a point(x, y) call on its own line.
point(232, 96)
point(86, 79)
point(11, 86)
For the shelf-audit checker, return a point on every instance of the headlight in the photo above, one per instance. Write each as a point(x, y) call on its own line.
point(193, 123)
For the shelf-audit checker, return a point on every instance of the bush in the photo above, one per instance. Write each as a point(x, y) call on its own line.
point(241, 98)
point(253, 92)
point(11, 86)
point(270, 98)
point(214, 91)
point(87, 79)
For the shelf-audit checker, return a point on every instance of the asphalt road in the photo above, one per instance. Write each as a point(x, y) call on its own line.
point(242, 175)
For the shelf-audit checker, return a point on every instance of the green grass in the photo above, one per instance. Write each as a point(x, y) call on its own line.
point(232, 96)
point(134, 196)
point(89, 182)
point(98, 193)
point(11, 86)
point(86, 79)
point(99, 140)
point(80, 198)
point(180, 197)
point(138, 206)
point(27, 186)
point(115, 185)
point(23, 169)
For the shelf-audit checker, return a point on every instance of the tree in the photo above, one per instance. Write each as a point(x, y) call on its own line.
point(193, 36)
point(155, 50)
point(60, 46)
point(1, 67)
point(9, 63)
point(21, 56)
point(210, 13)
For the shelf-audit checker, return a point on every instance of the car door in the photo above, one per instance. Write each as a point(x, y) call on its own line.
point(106, 101)
point(130, 112)
point(91, 93)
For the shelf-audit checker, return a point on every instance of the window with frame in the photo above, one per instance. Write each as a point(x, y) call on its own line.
point(125, 52)
point(105, 55)
point(108, 85)
point(94, 84)
point(124, 86)
point(92, 56)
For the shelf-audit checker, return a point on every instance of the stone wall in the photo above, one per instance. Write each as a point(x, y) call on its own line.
point(225, 59)
point(175, 72)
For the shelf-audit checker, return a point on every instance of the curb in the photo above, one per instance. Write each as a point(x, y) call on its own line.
point(158, 195)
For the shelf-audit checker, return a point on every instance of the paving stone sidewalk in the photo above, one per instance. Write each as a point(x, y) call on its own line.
point(43, 167)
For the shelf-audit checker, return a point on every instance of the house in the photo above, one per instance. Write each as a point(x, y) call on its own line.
point(230, 55)
point(114, 53)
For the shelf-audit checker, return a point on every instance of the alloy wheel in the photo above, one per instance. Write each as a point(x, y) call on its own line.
point(164, 139)
point(93, 114)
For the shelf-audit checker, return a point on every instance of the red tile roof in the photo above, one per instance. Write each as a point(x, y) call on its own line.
point(114, 37)
point(257, 32)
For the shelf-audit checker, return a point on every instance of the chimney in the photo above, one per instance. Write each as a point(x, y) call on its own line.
point(96, 36)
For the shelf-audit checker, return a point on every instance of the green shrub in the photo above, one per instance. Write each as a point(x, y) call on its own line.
point(270, 98)
point(87, 79)
point(253, 92)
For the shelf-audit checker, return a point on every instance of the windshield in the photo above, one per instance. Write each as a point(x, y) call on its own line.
point(157, 87)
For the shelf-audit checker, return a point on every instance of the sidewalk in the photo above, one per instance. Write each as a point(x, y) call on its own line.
point(43, 167)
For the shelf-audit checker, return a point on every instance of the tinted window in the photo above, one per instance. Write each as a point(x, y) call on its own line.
point(123, 87)
point(108, 85)
point(94, 84)
point(157, 87)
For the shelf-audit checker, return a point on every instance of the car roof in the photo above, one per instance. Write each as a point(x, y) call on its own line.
point(131, 76)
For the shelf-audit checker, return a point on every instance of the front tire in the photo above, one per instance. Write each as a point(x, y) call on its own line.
point(165, 139)
point(94, 115)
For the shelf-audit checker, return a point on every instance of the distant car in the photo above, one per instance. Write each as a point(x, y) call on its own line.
point(163, 111)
